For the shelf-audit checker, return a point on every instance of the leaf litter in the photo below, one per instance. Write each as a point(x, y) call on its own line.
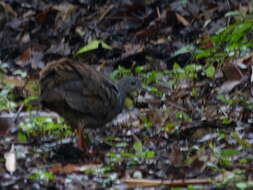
point(187, 125)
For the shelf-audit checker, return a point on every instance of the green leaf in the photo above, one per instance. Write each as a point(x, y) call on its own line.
point(22, 137)
point(92, 46)
point(226, 121)
point(169, 126)
point(120, 72)
point(42, 176)
point(227, 153)
point(233, 13)
point(210, 71)
point(138, 147)
point(21, 73)
point(183, 116)
point(139, 69)
point(127, 154)
point(203, 53)
point(151, 77)
point(149, 154)
point(244, 185)
point(183, 50)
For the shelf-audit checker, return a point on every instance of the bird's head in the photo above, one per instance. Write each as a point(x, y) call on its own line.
point(129, 84)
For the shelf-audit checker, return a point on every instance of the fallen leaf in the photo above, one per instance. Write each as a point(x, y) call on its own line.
point(237, 69)
point(71, 168)
point(10, 160)
point(182, 20)
point(8, 9)
point(229, 85)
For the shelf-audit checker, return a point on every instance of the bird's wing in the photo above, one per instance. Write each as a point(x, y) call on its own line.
point(92, 100)
point(57, 73)
point(80, 86)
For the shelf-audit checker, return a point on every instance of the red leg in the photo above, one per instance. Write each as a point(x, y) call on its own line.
point(81, 140)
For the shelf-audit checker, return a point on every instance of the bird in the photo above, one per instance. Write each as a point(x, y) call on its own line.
point(84, 97)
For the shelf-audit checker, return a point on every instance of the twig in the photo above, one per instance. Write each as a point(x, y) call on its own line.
point(108, 9)
point(18, 113)
point(168, 183)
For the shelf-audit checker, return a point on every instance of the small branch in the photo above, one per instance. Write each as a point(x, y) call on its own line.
point(168, 183)
point(108, 9)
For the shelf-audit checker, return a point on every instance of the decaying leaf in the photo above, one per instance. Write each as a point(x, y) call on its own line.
point(72, 168)
point(237, 69)
point(228, 86)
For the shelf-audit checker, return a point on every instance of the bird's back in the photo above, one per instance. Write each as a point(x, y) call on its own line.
point(79, 93)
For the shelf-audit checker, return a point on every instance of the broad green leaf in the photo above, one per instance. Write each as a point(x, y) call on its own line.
point(21, 137)
point(92, 46)
point(149, 154)
point(244, 185)
point(210, 71)
point(227, 153)
point(139, 69)
point(138, 147)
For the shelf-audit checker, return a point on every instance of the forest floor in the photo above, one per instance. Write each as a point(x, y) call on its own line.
point(188, 128)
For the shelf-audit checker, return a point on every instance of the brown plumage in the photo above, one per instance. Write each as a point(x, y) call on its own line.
point(81, 95)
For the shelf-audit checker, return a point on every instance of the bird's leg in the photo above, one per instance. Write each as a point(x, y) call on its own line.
point(82, 140)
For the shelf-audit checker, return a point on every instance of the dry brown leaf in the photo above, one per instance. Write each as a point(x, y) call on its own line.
point(182, 20)
point(32, 55)
point(176, 156)
point(71, 168)
point(16, 81)
point(8, 8)
point(237, 69)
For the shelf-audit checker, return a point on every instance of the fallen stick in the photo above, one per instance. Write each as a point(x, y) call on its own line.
point(168, 183)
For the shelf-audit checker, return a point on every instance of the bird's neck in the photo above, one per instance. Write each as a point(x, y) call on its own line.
point(122, 97)
point(121, 94)
point(122, 87)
